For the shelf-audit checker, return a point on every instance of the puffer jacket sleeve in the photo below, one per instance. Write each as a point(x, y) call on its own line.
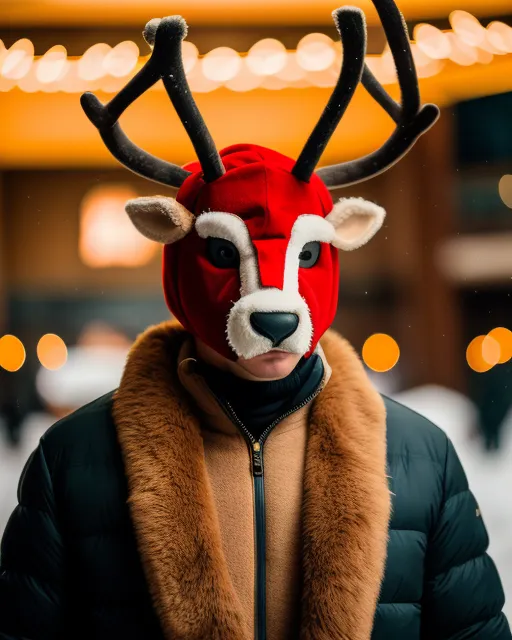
point(463, 592)
point(31, 560)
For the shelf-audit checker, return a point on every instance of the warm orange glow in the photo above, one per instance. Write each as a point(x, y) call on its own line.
point(432, 41)
point(12, 353)
point(107, 236)
point(52, 66)
point(381, 352)
point(52, 352)
point(315, 52)
point(45, 141)
point(267, 57)
point(505, 190)
point(504, 338)
point(119, 14)
point(121, 60)
point(483, 353)
point(273, 83)
point(17, 60)
point(221, 64)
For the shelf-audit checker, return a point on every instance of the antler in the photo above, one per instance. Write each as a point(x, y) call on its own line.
point(411, 119)
point(166, 63)
point(350, 23)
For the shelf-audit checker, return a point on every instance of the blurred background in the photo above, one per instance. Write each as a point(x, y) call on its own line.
point(428, 302)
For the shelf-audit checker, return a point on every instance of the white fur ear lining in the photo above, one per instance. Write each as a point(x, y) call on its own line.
point(355, 222)
point(160, 218)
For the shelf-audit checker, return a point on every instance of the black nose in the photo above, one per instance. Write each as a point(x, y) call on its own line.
point(274, 325)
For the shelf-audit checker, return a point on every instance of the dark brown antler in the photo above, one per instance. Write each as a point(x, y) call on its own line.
point(165, 63)
point(411, 119)
point(351, 26)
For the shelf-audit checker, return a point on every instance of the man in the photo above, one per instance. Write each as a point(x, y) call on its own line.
point(246, 480)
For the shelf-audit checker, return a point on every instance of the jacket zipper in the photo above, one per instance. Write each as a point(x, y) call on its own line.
point(256, 449)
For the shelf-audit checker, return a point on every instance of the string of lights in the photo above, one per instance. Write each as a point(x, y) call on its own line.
point(268, 64)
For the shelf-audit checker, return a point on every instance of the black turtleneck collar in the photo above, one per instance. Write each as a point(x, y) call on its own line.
point(258, 404)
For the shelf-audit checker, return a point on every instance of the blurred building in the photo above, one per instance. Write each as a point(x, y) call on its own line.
point(438, 274)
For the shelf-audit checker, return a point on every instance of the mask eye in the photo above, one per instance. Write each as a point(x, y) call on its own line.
point(309, 255)
point(222, 253)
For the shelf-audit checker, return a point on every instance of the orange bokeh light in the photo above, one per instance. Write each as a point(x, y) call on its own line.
point(52, 352)
point(107, 236)
point(503, 337)
point(483, 353)
point(12, 353)
point(381, 352)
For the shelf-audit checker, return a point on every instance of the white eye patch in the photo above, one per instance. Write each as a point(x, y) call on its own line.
point(217, 224)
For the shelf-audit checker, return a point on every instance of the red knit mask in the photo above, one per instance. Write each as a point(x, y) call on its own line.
point(256, 265)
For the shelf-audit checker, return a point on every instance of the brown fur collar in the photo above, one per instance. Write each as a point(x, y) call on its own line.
point(345, 507)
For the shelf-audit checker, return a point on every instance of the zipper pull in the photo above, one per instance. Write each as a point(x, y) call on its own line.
point(257, 460)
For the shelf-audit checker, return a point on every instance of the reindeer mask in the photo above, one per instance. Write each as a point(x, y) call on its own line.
point(251, 240)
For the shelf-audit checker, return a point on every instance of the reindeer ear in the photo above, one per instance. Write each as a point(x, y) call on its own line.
point(355, 221)
point(160, 218)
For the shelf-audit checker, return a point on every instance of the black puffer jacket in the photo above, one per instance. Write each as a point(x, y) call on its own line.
point(75, 573)
point(113, 507)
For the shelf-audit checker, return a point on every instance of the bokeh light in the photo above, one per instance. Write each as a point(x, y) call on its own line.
point(503, 337)
point(107, 235)
point(291, 71)
point(315, 52)
point(483, 353)
point(12, 353)
point(52, 66)
point(17, 60)
point(52, 351)
point(221, 64)
point(121, 60)
point(189, 54)
point(500, 35)
point(505, 190)
point(267, 57)
point(381, 352)
point(198, 81)
point(432, 41)
point(316, 62)
point(245, 80)
point(90, 65)
point(483, 56)
point(461, 52)
point(467, 28)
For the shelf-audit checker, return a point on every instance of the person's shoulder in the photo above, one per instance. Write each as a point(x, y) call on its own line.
point(412, 435)
point(87, 433)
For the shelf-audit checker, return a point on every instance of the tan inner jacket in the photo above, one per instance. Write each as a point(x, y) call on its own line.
point(191, 499)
